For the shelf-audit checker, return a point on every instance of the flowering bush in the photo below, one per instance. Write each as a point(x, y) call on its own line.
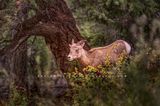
point(126, 83)
point(93, 86)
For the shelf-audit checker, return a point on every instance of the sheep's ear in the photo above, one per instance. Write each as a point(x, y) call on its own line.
point(81, 43)
point(72, 41)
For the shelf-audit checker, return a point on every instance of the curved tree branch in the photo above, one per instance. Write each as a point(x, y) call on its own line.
point(56, 24)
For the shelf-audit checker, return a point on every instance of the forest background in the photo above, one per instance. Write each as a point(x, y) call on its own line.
point(34, 38)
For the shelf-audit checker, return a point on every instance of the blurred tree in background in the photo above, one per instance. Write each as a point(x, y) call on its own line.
point(111, 19)
point(100, 22)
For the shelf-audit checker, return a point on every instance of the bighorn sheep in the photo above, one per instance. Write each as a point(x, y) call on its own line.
point(97, 56)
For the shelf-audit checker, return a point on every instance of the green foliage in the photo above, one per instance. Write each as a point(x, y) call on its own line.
point(132, 83)
point(126, 84)
point(108, 20)
point(17, 97)
point(129, 83)
point(39, 55)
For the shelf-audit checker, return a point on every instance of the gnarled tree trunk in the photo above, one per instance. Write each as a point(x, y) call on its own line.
point(61, 28)
point(55, 22)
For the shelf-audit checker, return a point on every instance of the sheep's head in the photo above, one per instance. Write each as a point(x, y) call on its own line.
point(76, 50)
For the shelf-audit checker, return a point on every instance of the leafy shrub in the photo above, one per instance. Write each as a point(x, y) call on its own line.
point(17, 97)
point(128, 83)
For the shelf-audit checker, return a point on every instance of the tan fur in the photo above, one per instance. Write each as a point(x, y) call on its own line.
point(97, 56)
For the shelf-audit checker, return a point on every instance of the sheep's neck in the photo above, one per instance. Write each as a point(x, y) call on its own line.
point(84, 59)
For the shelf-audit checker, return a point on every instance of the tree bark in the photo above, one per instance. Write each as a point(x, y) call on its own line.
point(55, 22)
point(19, 67)
point(61, 30)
